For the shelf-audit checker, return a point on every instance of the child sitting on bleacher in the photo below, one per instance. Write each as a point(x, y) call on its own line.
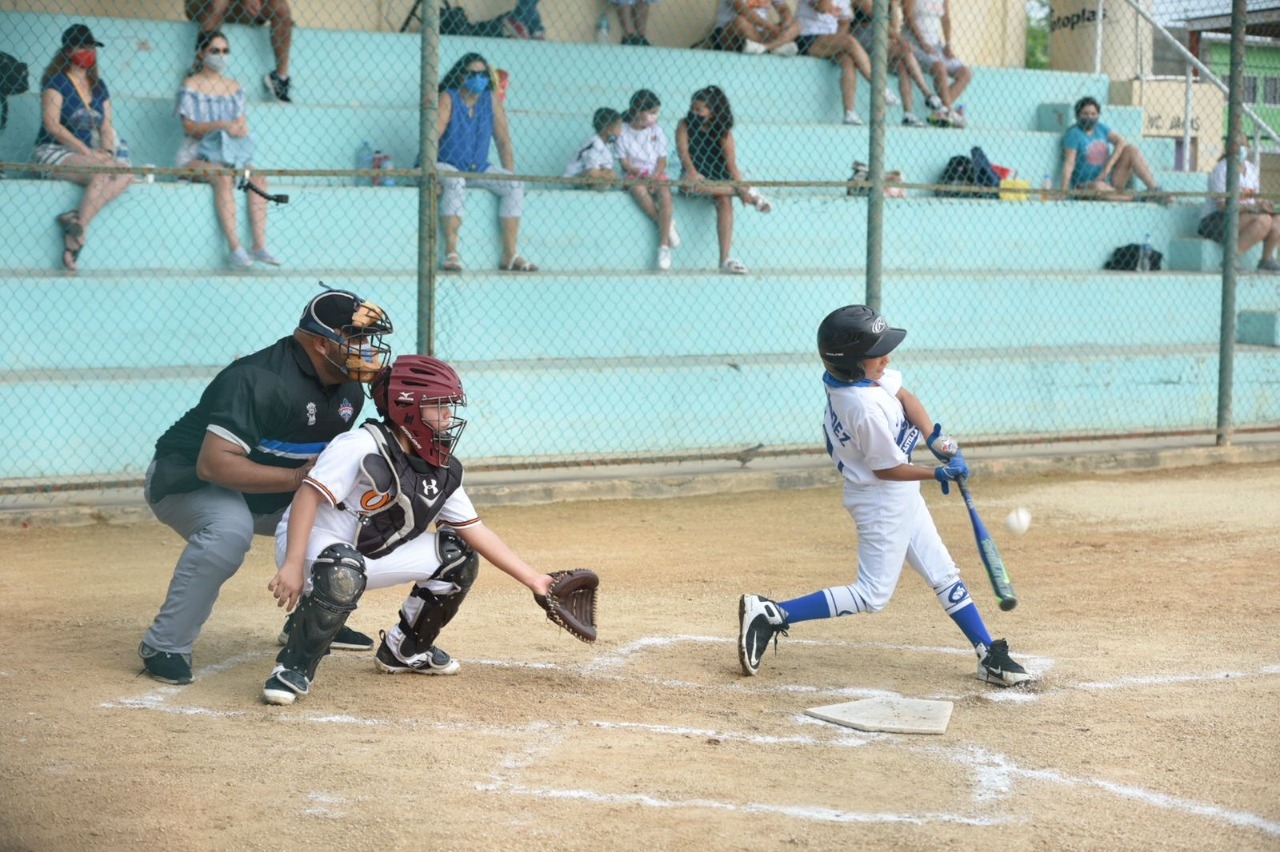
point(593, 161)
point(642, 148)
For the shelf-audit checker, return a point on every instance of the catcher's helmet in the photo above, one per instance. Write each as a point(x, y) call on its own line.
point(851, 334)
point(355, 325)
point(419, 396)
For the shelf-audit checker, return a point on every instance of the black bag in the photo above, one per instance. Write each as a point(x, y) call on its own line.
point(13, 81)
point(959, 172)
point(454, 21)
point(1125, 259)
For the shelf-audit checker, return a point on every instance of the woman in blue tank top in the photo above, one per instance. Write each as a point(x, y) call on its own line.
point(469, 118)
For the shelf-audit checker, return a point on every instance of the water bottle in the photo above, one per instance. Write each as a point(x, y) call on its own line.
point(383, 161)
point(1046, 187)
point(364, 158)
point(1144, 256)
point(122, 150)
point(602, 31)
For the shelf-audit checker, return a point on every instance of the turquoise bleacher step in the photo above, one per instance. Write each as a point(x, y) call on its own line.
point(1196, 254)
point(1258, 328)
point(173, 226)
point(1169, 388)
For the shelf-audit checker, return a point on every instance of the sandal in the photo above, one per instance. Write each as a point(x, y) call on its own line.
point(733, 267)
point(518, 264)
point(70, 224)
point(452, 262)
point(72, 238)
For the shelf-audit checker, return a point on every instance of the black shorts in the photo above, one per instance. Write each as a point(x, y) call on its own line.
point(805, 42)
point(1214, 226)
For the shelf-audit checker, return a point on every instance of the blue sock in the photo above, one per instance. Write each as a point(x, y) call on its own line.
point(969, 620)
point(807, 608)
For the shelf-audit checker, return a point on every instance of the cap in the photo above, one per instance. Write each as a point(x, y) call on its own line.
point(334, 312)
point(78, 35)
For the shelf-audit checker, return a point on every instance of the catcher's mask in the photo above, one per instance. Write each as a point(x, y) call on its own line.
point(356, 326)
point(420, 396)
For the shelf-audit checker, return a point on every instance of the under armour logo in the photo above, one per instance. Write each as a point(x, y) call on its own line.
point(430, 489)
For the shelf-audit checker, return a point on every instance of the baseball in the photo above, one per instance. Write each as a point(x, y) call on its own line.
point(1018, 521)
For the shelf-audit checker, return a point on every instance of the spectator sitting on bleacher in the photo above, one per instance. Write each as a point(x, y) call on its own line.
point(642, 148)
point(823, 34)
point(1258, 222)
point(76, 130)
point(927, 30)
point(902, 62)
point(704, 141)
point(1089, 161)
point(211, 106)
point(469, 117)
point(633, 18)
point(211, 14)
point(593, 162)
point(744, 26)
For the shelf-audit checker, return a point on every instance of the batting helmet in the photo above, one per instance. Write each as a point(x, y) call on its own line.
point(850, 335)
point(355, 325)
point(420, 397)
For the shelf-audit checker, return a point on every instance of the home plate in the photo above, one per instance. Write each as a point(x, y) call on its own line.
point(892, 715)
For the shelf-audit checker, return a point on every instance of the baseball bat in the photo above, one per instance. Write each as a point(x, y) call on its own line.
point(991, 559)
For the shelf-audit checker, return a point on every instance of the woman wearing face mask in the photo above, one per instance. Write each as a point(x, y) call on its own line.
point(76, 130)
point(211, 105)
point(469, 117)
point(642, 148)
point(1258, 222)
point(1090, 162)
point(704, 141)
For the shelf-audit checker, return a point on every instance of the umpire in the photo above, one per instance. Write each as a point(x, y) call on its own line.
point(229, 467)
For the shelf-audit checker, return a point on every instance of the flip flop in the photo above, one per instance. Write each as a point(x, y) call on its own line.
point(518, 264)
point(70, 224)
point(71, 246)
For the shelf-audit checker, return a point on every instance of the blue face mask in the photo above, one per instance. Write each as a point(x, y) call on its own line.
point(477, 82)
point(611, 138)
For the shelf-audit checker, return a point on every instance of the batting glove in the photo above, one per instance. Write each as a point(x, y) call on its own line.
point(942, 446)
point(955, 468)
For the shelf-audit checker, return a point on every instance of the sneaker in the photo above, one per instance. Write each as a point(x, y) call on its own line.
point(434, 662)
point(733, 267)
point(239, 259)
point(284, 686)
point(264, 255)
point(664, 258)
point(788, 49)
point(673, 236)
point(851, 117)
point(752, 48)
point(940, 118)
point(1268, 264)
point(933, 102)
point(346, 640)
point(958, 117)
point(910, 119)
point(165, 667)
point(998, 668)
point(760, 620)
point(890, 98)
point(277, 86)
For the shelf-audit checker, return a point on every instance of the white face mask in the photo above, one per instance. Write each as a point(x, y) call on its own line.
point(1244, 154)
point(216, 62)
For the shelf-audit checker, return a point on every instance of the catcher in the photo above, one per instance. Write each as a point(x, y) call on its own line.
point(381, 486)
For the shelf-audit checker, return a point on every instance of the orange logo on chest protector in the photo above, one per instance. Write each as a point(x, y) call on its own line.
point(372, 501)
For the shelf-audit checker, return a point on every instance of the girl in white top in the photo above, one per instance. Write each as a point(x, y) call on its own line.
point(927, 28)
point(594, 159)
point(642, 148)
point(1258, 222)
point(744, 25)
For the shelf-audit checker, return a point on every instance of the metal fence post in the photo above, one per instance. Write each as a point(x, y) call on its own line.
point(428, 187)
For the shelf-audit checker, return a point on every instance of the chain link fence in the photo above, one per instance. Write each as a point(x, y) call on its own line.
point(178, 177)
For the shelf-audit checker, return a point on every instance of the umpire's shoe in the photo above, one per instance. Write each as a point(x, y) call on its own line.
point(433, 661)
point(284, 686)
point(346, 640)
point(759, 620)
point(164, 666)
point(999, 668)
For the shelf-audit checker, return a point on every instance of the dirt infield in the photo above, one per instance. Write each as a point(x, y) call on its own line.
point(1148, 609)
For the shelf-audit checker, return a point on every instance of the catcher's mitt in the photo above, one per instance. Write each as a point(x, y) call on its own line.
point(571, 602)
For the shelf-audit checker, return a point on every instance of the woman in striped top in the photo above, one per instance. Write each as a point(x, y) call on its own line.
point(212, 108)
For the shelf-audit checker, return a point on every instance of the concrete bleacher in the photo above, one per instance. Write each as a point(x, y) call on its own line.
point(982, 285)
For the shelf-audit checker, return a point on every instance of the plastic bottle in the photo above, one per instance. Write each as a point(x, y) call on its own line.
point(602, 31)
point(383, 161)
point(1144, 256)
point(1046, 187)
point(364, 159)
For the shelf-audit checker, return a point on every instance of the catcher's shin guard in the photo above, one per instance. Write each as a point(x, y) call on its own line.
point(337, 582)
point(433, 604)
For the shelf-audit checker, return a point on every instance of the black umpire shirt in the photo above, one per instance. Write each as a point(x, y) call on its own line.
point(273, 405)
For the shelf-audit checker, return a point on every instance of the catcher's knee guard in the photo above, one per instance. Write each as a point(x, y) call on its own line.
point(337, 582)
point(433, 604)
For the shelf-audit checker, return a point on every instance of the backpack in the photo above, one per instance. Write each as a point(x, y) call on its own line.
point(453, 20)
point(958, 172)
point(13, 81)
point(1125, 258)
point(983, 173)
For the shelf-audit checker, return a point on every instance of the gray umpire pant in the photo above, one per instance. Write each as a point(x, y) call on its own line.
point(219, 528)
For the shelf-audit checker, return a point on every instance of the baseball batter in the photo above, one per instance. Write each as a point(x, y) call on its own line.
point(361, 520)
point(872, 423)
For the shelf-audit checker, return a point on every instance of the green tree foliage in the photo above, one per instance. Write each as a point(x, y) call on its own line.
point(1037, 34)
